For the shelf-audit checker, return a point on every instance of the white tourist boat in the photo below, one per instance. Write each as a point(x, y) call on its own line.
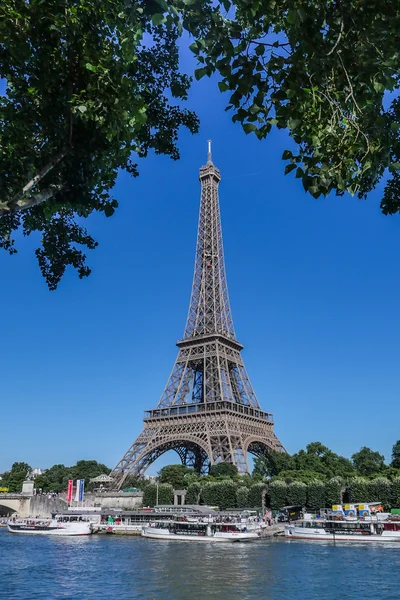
point(199, 532)
point(56, 526)
point(338, 530)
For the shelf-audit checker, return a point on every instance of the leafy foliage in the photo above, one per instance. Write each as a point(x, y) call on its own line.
point(224, 469)
point(165, 494)
point(242, 497)
point(89, 84)
point(14, 478)
point(176, 475)
point(368, 462)
point(278, 494)
point(255, 495)
point(396, 492)
point(358, 490)
point(380, 490)
point(302, 475)
point(396, 455)
point(296, 493)
point(272, 463)
point(316, 498)
point(220, 493)
point(193, 493)
point(320, 70)
point(333, 491)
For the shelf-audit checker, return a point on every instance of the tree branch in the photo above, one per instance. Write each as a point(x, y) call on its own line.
point(6, 208)
point(19, 202)
point(338, 39)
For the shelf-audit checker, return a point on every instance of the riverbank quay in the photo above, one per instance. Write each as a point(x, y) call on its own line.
point(276, 530)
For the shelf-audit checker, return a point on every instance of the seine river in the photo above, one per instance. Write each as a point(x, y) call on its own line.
point(127, 568)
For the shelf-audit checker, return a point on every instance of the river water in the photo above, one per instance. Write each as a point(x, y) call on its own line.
point(130, 568)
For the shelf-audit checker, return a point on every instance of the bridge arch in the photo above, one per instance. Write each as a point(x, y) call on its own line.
point(14, 503)
point(192, 451)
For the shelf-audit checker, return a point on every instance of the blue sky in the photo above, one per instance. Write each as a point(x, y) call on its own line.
point(314, 288)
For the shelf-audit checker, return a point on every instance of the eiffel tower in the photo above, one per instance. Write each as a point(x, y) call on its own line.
point(208, 411)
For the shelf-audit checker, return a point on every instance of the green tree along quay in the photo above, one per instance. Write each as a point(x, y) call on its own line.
point(176, 475)
point(14, 478)
point(367, 462)
point(242, 497)
point(91, 84)
point(277, 493)
point(296, 494)
point(224, 469)
point(193, 493)
point(316, 498)
point(255, 495)
point(396, 455)
point(334, 491)
point(319, 69)
point(56, 478)
point(165, 494)
point(358, 489)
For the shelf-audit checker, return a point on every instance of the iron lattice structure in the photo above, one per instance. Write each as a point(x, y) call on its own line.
point(208, 411)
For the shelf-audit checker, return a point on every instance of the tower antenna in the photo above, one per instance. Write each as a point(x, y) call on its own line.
point(209, 156)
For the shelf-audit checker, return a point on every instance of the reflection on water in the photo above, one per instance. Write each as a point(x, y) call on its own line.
point(129, 568)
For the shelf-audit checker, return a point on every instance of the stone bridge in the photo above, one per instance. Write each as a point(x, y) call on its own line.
point(14, 503)
point(25, 505)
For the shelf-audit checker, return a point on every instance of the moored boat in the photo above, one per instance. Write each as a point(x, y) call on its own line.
point(45, 526)
point(199, 532)
point(344, 530)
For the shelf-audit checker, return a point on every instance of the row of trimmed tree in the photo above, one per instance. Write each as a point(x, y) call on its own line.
point(314, 495)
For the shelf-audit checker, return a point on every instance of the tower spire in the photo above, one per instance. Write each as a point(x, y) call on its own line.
point(209, 309)
point(209, 155)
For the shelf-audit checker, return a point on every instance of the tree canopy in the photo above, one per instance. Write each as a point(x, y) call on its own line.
point(224, 469)
point(14, 478)
point(367, 462)
point(54, 479)
point(176, 475)
point(396, 455)
point(93, 85)
point(322, 70)
point(316, 461)
point(90, 86)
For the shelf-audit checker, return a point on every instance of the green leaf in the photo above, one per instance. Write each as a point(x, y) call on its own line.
point(254, 109)
point(289, 168)
point(109, 211)
point(82, 108)
point(158, 19)
point(293, 123)
point(379, 87)
point(292, 16)
point(223, 87)
point(249, 127)
point(395, 166)
point(287, 154)
point(91, 67)
point(199, 73)
point(163, 4)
